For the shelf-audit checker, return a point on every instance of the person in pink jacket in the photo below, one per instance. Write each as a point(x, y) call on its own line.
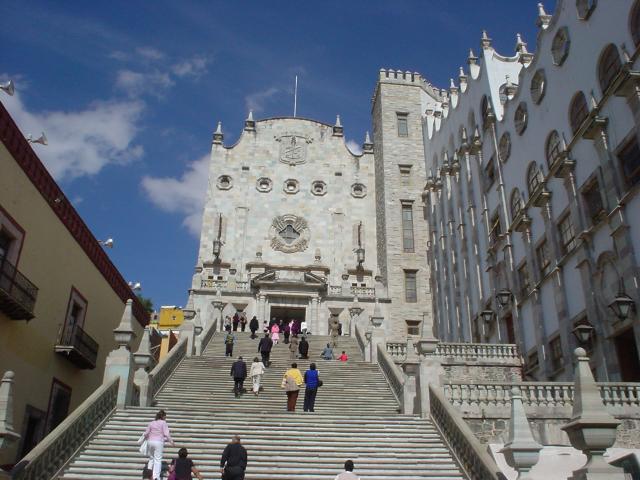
point(156, 434)
point(275, 333)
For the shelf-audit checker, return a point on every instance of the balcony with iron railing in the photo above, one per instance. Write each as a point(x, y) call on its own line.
point(78, 347)
point(17, 294)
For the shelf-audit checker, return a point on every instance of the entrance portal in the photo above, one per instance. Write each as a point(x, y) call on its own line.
point(628, 356)
point(288, 313)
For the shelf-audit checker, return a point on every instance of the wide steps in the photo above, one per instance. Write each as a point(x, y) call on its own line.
point(356, 418)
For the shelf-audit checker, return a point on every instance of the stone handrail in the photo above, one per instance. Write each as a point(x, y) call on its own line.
point(472, 457)
point(359, 337)
point(555, 398)
point(52, 454)
point(335, 290)
point(394, 375)
point(461, 351)
point(208, 334)
point(161, 373)
point(213, 284)
point(363, 291)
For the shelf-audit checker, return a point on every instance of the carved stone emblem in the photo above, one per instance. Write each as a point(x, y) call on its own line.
point(289, 234)
point(293, 148)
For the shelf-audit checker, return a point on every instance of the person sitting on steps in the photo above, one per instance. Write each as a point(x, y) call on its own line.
point(327, 353)
point(303, 348)
point(343, 357)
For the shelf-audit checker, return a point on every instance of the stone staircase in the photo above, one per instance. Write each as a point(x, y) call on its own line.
point(356, 417)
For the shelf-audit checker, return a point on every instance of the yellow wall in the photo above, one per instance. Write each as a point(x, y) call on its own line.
point(54, 262)
point(170, 317)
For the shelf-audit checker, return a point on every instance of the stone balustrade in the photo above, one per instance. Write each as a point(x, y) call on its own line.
point(363, 292)
point(161, 373)
point(471, 455)
point(394, 375)
point(541, 399)
point(335, 290)
point(50, 455)
point(397, 351)
point(460, 351)
point(225, 285)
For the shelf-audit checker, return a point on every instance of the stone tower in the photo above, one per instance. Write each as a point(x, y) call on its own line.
point(399, 101)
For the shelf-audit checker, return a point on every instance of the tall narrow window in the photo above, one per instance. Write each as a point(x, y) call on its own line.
point(609, 66)
point(629, 157)
point(567, 233)
point(593, 201)
point(403, 124)
point(555, 346)
point(578, 111)
point(410, 289)
point(407, 228)
point(544, 259)
point(523, 279)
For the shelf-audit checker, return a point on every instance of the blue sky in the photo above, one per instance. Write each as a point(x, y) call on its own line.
point(129, 93)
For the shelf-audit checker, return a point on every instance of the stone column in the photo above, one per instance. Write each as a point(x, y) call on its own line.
point(354, 315)
point(219, 306)
point(8, 436)
point(314, 321)
point(144, 362)
point(119, 362)
point(377, 333)
point(261, 307)
point(411, 370)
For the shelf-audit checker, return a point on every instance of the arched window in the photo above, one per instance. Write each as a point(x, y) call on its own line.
point(608, 66)
point(534, 177)
point(634, 23)
point(553, 148)
point(516, 203)
point(578, 112)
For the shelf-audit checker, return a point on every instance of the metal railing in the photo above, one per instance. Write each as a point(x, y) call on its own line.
point(52, 454)
point(471, 455)
point(19, 289)
point(161, 373)
point(83, 344)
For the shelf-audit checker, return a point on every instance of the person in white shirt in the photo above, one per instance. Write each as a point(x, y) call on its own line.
point(348, 472)
point(303, 328)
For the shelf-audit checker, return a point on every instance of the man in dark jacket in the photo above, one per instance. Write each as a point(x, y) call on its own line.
point(264, 347)
point(253, 326)
point(234, 460)
point(239, 373)
point(303, 348)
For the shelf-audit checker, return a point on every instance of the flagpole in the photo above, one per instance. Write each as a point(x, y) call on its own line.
point(295, 98)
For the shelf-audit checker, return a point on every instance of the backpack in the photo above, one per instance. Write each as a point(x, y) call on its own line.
point(228, 339)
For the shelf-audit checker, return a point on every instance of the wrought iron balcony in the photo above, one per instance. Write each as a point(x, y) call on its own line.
point(78, 347)
point(17, 294)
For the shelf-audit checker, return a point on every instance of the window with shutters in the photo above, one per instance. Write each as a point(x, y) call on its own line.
point(403, 124)
point(407, 228)
point(609, 66)
point(629, 157)
point(410, 287)
point(413, 327)
point(578, 111)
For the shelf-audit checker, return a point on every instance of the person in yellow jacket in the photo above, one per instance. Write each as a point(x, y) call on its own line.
point(291, 382)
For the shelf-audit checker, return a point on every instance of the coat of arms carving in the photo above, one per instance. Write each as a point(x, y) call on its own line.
point(289, 234)
point(293, 148)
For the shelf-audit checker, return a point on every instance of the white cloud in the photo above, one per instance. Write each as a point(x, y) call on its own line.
point(137, 83)
point(192, 67)
point(184, 195)
point(257, 101)
point(354, 147)
point(150, 53)
point(85, 141)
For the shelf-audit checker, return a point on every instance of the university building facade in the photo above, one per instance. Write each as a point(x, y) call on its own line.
point(499, 210)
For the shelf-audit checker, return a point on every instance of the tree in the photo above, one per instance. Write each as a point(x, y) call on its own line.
point(147, 303)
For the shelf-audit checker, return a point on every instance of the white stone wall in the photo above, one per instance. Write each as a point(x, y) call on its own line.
point(468, 272)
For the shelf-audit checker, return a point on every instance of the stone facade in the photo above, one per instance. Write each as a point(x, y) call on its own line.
point(295, 213)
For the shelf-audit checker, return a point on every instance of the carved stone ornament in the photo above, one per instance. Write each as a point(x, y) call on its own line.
point(293, 148)
point(289, 234)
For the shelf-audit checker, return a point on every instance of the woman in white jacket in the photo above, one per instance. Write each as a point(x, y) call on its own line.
point(256, 372)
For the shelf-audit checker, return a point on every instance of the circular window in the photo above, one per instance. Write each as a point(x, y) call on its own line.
point(358, 190)
point(224, 182)
point(585, 8)
point(538, 86)
point(504, 148)
point(560, 46)
point(264, 184)
point(291, 186)
point(520, 118)
point(318, 188)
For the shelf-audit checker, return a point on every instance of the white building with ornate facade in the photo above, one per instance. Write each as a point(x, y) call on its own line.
point(533, 180)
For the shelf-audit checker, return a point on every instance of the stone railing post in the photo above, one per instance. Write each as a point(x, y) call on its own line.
point(144, 362)
point(368, 334)
point(188, 330)
point(119, 363)
point(197, 332)
point(521, 450)
point(430, 367)
point(377, 333)
point(411, 369)
point(219, 306)
point(591, 428)
point(7, 434)
point(354, 314)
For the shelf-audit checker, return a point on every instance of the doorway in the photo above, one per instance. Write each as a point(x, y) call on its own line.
point(288, 313)
point(628, 360)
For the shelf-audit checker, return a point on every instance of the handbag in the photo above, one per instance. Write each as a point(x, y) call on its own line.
point(320, 383)
point(143, 449)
